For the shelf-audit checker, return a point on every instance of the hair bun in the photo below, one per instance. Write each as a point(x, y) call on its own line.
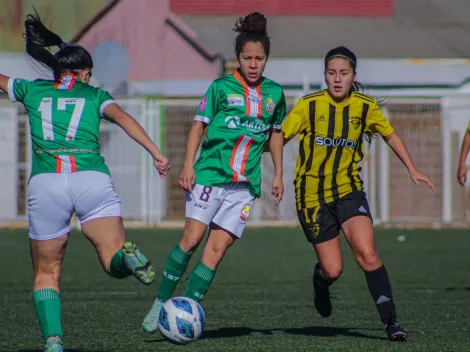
point(255, 22)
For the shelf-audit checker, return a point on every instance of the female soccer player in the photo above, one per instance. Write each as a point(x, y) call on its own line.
point(239, 111)
point(69, 175)
point(462, 171)
point(332, 125)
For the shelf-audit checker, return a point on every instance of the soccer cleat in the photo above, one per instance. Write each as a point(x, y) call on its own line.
point(322, 298)
point(54, 344)
point(150, 323)
point(137, 263)
point(395, 332)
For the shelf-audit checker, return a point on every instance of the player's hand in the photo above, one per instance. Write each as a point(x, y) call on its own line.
point(162, 165)
point(462, 175)
point(187, 178)
point(417, 176)
point(278, 189)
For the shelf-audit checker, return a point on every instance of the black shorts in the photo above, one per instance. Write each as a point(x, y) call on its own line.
point(323, 223)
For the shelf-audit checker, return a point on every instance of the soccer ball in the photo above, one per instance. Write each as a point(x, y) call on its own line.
point(181, 320)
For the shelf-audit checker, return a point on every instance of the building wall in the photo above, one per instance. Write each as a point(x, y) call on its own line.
point(156, 51)
point(285, 7)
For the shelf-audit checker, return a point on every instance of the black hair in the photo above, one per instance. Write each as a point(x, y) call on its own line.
point(69, 58)
point(344, 53)
point(252, 28)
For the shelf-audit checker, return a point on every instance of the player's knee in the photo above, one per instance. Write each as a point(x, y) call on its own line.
point(190, 243)
point(332, 273)
point(214, 253)
point(368, 260)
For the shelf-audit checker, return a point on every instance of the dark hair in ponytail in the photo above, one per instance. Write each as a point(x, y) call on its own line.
point(344, 53)
point(252, 28)
point(38, 39)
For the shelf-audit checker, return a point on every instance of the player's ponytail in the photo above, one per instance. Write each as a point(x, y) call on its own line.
point(38, 41)
point(252, 28)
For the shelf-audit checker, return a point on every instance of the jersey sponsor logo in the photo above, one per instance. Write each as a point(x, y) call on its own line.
point(235, 100)
point(233, 122)
point(245, 213)
point(335, 142)
point(203, 104)
point(252, 126)
point(270, 105)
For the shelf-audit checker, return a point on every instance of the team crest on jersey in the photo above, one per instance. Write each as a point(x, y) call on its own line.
point(270, 105)
point(245, 214)
point(203, 104)
point(315, 230)
point(355, 121)
point(235, 100)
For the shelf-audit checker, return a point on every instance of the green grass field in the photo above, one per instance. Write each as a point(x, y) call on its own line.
point(261, 298)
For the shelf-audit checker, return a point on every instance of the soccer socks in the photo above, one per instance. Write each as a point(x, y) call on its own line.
point(174, 269)
point(48, 310)
point(381, 292)
point(118, 269)
point(199, 282)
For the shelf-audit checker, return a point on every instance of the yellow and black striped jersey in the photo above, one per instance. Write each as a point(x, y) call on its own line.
point(331, 144)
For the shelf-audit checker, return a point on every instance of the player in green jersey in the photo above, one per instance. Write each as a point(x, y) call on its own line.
point(69, 175)
point(240, 111)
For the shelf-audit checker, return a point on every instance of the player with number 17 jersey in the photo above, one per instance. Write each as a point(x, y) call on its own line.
point(63, 122)
point(239, 118)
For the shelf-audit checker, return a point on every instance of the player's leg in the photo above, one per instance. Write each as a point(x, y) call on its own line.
point(49, 212)
point(201, 205)
point(98, 208)
point(228, 225)
point(322, 230)
point(356, 223)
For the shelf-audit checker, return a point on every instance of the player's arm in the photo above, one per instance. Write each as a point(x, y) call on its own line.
point(188, 177)
point(134, 130)
point(462, 170)
point(207, 110)
point(377, 123)
point(276, 145)
point(292, 125)
point(4, 83)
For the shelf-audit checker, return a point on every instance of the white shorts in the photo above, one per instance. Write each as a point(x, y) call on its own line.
point(53, 198)
point(227, 206)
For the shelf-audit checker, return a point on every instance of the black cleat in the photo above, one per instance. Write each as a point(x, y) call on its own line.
point(395, 332)
point(322, 298)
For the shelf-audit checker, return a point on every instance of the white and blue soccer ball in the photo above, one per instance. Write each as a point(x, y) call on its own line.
point(181, 320)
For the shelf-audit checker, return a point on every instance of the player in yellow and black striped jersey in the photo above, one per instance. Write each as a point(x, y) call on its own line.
point(462, 170)
point(333, 125)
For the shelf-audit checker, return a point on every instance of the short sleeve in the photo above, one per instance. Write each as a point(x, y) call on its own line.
point(104, 99)
point(209, 105)
point(17, 89)
point(377, 123)
point(293, 123)
point(279, 113)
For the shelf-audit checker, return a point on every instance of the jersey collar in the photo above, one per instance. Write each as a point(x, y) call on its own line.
point(238, 76)
point(66, 81)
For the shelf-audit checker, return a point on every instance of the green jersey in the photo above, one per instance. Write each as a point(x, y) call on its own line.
point(64, 120)
point(239, 119)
